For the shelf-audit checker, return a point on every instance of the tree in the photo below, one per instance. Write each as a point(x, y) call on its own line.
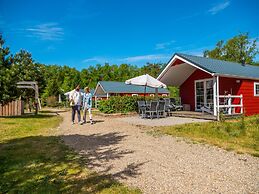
point(5, 77)
point(23, 68)
point(240, 49)
point(52, 88)
point(152, 69)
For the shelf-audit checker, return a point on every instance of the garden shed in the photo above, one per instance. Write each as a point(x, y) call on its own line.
point(105, 89)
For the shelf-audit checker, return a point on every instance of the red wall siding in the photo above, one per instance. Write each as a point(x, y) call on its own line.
point(246, 88)
point(226, 86)
point(230, 86)
point(187, 92)
point(251, 102)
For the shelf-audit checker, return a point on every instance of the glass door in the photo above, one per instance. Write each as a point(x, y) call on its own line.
point(209, 94)
point(199, 95)
point(204, 94)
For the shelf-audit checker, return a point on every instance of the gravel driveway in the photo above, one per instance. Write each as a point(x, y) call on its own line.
point(168, 121)
point(161, 164)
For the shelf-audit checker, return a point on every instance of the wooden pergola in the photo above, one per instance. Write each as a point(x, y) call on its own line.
point(31, 85)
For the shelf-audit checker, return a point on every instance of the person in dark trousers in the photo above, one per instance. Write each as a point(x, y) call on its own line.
point(75, 99)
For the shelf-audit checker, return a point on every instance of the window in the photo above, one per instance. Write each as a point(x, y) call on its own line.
point(134, 95)
point(256, 89)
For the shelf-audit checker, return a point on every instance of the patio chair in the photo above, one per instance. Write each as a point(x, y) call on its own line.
point(175, 105)
point(168, 107)
point(161, 109)
point(148, 103)
point(152, 110)
point(142, 108)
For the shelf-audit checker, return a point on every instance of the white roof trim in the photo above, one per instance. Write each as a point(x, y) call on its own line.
point(182, 59)
point(236, 76)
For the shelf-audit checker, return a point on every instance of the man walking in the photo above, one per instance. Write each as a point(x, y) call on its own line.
point(75, 99)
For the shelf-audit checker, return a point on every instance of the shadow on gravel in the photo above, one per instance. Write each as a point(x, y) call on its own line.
point(97, 150)
point(94, 121)
point(53, 111)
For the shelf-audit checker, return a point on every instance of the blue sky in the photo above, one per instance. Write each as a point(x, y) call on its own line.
point(81, 33)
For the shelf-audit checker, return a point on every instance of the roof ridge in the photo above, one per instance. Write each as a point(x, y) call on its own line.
point(122, 87)
point(183, 54)
point(110, 81)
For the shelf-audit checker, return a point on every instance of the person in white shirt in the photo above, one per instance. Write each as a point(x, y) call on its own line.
point(75, 99)
point(87, 105)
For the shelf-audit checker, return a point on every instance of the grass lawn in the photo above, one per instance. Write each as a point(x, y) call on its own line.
point(240, 135)
point(34, 161)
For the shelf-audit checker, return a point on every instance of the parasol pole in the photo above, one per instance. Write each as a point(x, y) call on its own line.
point(145, 93)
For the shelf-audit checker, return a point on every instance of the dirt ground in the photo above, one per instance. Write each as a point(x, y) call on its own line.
point(159, 164)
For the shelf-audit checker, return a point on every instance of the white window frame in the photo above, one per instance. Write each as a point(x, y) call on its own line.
point(134, 94)
point(256, 84)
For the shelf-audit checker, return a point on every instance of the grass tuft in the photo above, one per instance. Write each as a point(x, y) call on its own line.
point(240, 135)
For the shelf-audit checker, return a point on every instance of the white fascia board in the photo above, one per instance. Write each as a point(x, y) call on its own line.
point(96, 88)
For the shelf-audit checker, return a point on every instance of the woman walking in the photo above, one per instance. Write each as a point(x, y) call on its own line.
point(87, 105)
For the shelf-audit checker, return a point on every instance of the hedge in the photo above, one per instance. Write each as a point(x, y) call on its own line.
point(121, 104)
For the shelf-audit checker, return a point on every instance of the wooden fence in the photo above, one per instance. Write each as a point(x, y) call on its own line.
point(13, 108)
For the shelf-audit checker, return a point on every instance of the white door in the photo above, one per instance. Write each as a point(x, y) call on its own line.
point(203, 94)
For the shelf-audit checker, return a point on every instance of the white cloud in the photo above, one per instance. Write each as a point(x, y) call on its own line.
point(134, 59)
point(164, 45)
point(46, 31)
point(96, 59)
point(147, 58)
point(51, 48)
point(197, 51)
point(219, 7)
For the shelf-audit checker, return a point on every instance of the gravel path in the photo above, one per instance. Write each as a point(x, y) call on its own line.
point(159, 164)
point(168, 121)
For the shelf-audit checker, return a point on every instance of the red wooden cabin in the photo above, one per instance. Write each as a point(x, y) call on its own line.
point(214, 86)
point(105, 89)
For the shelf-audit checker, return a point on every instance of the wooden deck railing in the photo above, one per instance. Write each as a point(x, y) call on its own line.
point(229, 104)
point(14, 108)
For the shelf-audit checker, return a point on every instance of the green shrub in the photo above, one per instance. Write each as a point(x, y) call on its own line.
point(121, 104)
point(52, 101)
